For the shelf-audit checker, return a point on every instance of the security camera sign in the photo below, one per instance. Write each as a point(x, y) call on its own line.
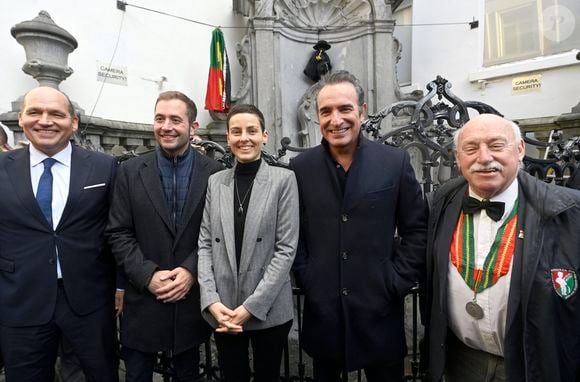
point(526, 84)
point(111, 74)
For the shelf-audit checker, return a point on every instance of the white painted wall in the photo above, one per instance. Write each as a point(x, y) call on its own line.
point(456, 52)
point(150, 46)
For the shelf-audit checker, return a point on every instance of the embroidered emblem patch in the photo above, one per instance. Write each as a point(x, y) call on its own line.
point(565, 282)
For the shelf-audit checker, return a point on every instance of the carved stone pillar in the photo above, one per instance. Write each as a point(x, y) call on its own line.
point(267, 86)
point(281, 36)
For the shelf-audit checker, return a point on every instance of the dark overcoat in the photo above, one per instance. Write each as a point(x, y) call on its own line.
point(144, 240)
point(543, 328)
point(353, 271)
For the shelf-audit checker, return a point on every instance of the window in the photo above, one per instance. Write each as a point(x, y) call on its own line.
point(521, 29)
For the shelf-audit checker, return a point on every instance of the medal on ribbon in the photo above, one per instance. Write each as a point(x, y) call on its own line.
point(497, 262)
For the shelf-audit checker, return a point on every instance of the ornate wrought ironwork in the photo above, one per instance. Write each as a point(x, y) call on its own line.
point(433, 121)
point(562, 162)
point(215, 151)
point(429, 128)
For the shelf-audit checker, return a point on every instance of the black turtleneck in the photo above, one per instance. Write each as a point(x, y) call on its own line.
point(244, 178)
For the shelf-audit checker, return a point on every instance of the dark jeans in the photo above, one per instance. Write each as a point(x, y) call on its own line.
point(30, 352)
point(381, 372)
point(139, 365)
point(267, 347)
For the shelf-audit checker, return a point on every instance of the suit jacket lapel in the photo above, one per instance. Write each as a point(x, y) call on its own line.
point(80, 169)
point(196, 191)
point(226, 210)
point(18, 170)
point(259, 194)
point(449, 221)
point(149, 173)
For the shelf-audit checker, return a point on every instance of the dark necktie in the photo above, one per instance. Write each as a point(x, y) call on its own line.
point(494, 210)
point(44, 191)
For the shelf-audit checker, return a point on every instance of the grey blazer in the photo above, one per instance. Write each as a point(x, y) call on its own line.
point(262, 283)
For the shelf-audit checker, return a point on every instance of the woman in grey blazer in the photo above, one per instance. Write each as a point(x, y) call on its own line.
point(247, 243)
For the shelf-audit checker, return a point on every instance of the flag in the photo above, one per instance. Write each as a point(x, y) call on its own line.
point(218, 95)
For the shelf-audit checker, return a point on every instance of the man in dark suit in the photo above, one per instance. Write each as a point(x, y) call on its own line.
point(57, 274)
point(354, 195)
point(153, 229)
point(503, 263)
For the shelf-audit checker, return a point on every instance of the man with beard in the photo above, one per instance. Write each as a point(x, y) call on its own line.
point(153, 229)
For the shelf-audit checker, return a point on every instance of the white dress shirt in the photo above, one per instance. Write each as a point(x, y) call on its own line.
point(60, 183)
point(488, 333)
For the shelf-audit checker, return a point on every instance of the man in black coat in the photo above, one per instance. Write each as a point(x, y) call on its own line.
point(503, 263)
point(153, 228)
point(354, 195)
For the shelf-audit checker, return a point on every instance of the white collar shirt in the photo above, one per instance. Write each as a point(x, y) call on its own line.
point(60, 182)
point(486, 334)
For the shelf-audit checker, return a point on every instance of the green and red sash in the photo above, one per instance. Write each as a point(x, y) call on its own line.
point(498, 260)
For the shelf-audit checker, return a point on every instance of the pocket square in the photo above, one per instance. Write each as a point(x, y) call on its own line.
point(94, 186)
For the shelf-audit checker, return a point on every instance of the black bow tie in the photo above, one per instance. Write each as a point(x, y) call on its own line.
point(494, 210)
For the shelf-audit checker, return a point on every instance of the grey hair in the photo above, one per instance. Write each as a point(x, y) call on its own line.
point(339, 77)
point(515, 128)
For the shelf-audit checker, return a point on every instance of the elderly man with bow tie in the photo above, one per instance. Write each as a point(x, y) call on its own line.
point(501, 246)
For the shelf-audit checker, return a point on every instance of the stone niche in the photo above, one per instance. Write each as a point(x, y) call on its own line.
point(279, 43)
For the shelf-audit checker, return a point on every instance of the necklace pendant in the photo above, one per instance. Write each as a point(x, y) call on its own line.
point(240, 210)
point(474, 310)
